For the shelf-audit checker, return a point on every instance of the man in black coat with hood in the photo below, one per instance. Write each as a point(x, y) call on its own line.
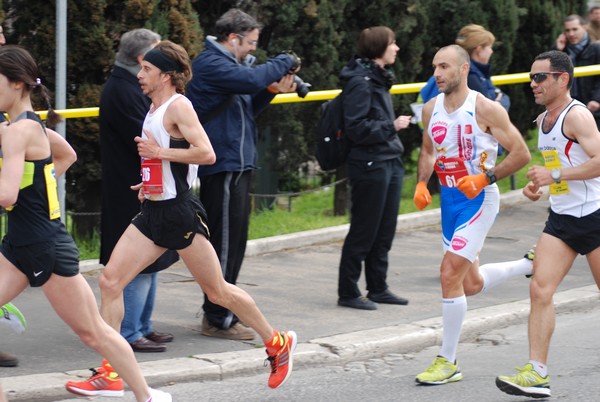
point(583, 51)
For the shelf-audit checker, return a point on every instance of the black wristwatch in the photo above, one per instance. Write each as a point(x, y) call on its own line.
point(491, 176)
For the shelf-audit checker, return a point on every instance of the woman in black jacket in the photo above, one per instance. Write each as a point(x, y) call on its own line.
point(375, 169)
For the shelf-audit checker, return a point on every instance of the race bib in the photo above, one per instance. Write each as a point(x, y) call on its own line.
point(551, 161)
point(152, 176)
point(450, 170)
point(52, 191)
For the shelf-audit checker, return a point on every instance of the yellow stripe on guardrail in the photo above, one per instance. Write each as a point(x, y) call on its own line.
point(312, 96)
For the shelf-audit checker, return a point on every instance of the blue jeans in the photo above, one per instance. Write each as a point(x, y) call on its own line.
point(138, 298)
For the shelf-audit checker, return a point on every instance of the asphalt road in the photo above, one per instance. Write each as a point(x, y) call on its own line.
point(574, 372)
point(296, 289)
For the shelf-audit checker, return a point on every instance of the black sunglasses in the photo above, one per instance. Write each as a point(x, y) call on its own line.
point(541, 77)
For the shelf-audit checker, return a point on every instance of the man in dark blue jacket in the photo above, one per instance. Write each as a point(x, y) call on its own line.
point(228, 93)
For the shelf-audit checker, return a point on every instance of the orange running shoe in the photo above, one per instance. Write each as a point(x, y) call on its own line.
point(104, 382)
point(282, 359)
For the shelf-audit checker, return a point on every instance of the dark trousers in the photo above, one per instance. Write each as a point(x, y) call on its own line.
point(375, 193)
point(226, 197)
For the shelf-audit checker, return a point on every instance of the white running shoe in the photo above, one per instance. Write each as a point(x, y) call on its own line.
point(157, 395)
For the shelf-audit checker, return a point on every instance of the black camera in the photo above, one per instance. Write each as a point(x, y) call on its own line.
point(302, 88)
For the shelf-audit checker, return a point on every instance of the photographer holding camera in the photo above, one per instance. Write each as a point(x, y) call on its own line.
point(228, 93)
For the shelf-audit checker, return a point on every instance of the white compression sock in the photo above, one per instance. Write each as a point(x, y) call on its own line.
point(496, 273)
point(541, 369)
point(453, 315)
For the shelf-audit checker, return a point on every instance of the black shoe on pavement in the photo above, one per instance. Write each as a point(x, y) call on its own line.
point(387, 297)
point(361, 303)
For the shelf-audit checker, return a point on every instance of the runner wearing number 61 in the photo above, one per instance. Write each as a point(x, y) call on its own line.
point(460, 142)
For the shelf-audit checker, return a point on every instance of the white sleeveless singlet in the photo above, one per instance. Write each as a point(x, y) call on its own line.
point(176, 177)
point(457, 136)
point(571, 197)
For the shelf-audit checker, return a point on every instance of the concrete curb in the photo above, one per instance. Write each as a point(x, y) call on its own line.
point(336, 349)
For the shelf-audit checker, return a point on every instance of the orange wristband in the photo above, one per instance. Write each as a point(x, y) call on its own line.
point(272, 90)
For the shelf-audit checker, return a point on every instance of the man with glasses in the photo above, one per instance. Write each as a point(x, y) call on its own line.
point(462, 131)
point(228, 93)
point(583, 51)
point(570, 144)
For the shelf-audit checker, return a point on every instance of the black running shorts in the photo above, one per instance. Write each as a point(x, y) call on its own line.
point(581, 234)
point(38, 261)
point(172, 223)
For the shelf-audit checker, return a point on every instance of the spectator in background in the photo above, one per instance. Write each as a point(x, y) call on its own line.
point(576, 42)
point(375, 169)
point(123, 107)
point(228, 92)
point(593, 23)
point(478, 42)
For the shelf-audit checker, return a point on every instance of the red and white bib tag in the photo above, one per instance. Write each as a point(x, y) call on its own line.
point(450, 170)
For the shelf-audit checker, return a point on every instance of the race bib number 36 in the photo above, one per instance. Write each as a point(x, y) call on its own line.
point(152, 176)
point(450, 170)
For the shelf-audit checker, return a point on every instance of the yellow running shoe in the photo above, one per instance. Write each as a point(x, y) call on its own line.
point(526, 382)
point(530, 255)
point(440, 372)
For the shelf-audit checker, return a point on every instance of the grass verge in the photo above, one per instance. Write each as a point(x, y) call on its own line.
point(315, 210)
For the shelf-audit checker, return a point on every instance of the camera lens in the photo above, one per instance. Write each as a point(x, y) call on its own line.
point(302, 88)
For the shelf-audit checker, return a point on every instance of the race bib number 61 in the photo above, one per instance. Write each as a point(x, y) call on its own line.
point(450, 170)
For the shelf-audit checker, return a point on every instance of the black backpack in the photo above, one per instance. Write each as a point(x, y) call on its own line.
point(332, 146)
